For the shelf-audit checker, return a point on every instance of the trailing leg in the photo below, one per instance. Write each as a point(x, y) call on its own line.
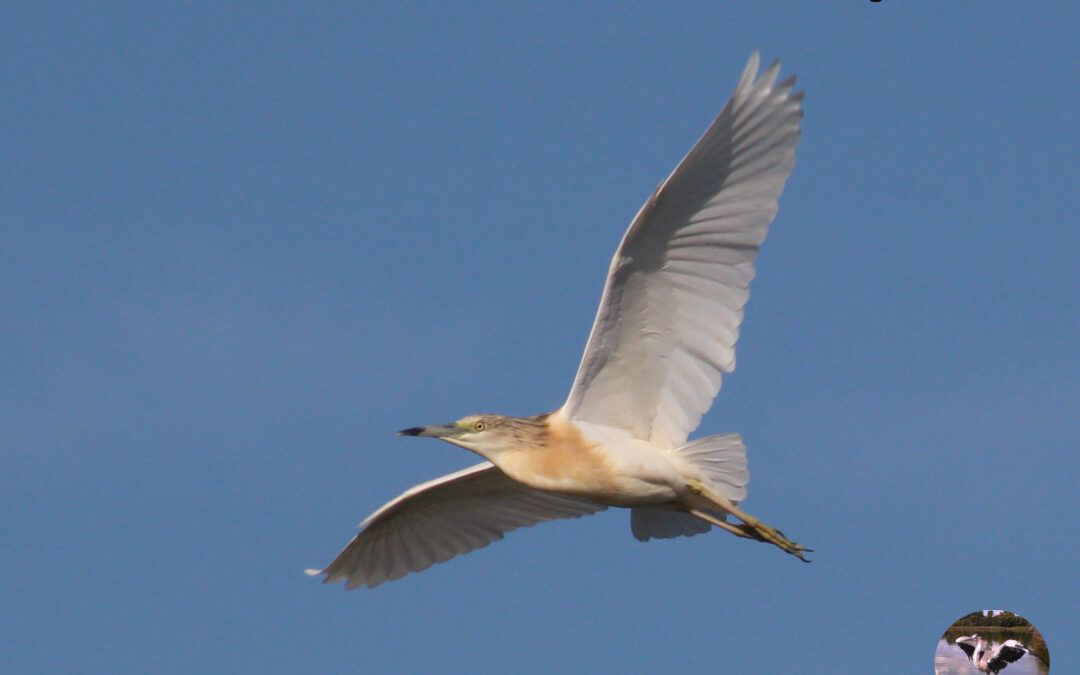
point(750, 527)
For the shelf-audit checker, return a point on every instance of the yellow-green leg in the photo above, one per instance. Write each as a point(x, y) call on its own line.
point(750, 527)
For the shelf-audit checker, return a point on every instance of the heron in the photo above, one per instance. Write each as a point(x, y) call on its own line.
point(993, 660)
point(663, 336)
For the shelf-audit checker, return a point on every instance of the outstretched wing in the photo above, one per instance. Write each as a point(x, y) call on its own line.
point(967, 644)
point(673, 301)
point(443, 518)
point(1010, 651)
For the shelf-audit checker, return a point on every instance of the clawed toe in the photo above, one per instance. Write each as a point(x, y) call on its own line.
point(768, 535)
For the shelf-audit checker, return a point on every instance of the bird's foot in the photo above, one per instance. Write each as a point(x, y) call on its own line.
point(762, 532)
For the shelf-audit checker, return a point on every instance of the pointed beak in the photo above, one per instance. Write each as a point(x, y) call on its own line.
point(437, 431)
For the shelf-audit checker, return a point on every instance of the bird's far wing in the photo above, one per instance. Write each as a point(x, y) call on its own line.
point(674, 296)
point(967, 644)
point(440, 519)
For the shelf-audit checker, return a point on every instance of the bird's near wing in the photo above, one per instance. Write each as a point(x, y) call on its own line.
point(440, 519)
point(674, 296)
point(1008, 652)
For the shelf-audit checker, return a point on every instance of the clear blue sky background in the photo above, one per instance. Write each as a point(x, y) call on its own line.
point(242, 245)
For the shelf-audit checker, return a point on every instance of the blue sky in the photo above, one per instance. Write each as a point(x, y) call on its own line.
point(242, 245)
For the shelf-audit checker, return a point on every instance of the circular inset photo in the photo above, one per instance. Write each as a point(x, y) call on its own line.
point(991, 641)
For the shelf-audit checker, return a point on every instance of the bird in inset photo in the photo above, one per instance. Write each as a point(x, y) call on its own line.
point(992, 659)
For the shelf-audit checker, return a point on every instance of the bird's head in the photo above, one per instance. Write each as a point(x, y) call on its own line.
point(486, 435)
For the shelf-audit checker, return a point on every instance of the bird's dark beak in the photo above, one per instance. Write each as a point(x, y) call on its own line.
point(437, 431)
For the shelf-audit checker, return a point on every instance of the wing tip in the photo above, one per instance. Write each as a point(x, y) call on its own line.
point(749, 73)
point(753, 85)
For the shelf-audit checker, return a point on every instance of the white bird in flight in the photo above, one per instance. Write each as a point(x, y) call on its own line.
point(664, 334)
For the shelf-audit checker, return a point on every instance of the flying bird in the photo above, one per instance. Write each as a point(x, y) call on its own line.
point(993, 660)
point(663, 336)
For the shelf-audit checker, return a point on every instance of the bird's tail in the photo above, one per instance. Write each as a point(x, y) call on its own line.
point(722, 460)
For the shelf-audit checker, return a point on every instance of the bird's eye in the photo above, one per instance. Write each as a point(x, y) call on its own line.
point(479, 426)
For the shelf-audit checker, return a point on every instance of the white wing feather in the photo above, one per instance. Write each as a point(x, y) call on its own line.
point(673, 301)
point(443, 518)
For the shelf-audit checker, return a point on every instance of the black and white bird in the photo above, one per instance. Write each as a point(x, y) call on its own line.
point(994, 660)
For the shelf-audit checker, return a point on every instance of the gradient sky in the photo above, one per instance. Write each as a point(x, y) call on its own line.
point(242, 245)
